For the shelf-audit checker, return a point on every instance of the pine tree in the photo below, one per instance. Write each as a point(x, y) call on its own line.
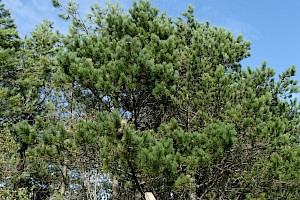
point(25, 76)
point(136, 102)
point(10, 45)
point(195, 120)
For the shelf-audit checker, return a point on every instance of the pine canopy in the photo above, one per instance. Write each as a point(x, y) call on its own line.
point(132, 102)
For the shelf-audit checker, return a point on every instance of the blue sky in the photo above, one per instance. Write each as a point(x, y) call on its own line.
point(271, 25)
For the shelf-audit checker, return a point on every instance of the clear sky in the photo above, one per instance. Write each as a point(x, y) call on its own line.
point(271, 25)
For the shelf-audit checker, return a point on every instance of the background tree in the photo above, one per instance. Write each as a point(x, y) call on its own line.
point(10, 54)
point(26, 70)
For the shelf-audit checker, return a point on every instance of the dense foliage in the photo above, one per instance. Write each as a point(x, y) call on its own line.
point(128, 103)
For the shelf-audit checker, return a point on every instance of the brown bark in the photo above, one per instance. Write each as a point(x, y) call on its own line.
point(64, 181)
point(95, 185)
point(192, 193)
point(138, 195)
point(115, 189)
point(88, 185)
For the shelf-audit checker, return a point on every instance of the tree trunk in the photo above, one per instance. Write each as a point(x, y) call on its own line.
point(88, 185)
point(64, 181)
point(192, 193)
point(115, 189)
point(137, 195)
point(95, 184)
point(21, 165)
